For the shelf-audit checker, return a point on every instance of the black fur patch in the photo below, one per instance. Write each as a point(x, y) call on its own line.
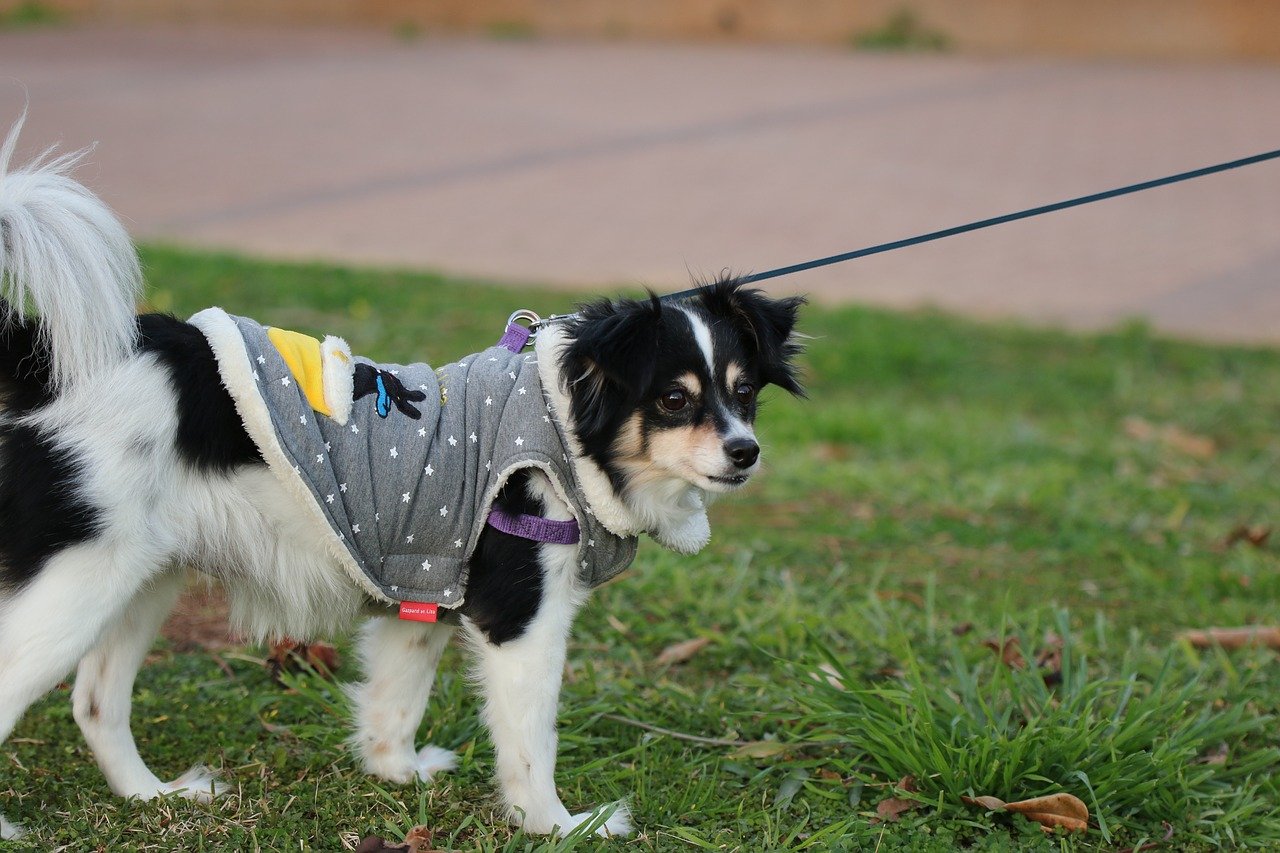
point(504, 586)
point(211, 436)
point(41, 511)
point(24, 363)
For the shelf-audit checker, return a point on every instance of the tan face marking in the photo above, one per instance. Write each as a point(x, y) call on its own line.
point(732, 374)
point(691, 383)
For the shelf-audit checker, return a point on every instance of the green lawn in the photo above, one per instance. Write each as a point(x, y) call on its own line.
point(948, 483)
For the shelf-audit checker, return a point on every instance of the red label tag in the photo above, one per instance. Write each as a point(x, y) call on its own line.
point(418, 611)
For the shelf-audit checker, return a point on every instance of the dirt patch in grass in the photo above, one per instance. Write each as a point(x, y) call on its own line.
point(199, 621)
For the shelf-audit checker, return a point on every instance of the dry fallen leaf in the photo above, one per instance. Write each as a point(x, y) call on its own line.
point(759, 749)
point(1170, 435)
point(681, 652)
point(418, 840)
point(892, 809)
point(1217, 755)
point(1251, 636)
point(289, 655)
point(1256, 535)
point(1009, 651)
point(1054, 810)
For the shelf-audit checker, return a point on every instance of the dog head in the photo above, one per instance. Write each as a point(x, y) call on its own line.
point(660, 400)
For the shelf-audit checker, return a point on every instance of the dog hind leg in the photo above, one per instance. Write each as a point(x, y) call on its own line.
point(102, 697)
point(47, 626)
point(400, 660)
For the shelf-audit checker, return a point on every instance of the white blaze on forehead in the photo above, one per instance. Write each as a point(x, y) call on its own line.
point(702, 334)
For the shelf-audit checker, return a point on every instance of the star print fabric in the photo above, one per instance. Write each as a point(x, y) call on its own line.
point(408, 498)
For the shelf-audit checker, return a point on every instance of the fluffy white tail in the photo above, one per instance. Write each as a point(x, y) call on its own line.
point(66, 258)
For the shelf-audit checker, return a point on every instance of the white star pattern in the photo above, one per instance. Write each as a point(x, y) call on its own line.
point(519, 441)
point(457, 543)
point(342, 487)
point(395, 589)
point(491, 358)
point(428, 470)
point(284, 380)
point(409, 539)
point(355, 428)
point(422, 431)
point(473, 438)
point(404, 499)
point(591, 543)
point(488, 401)
point(328, 446)
point(355, 529)
point(523, 391)
point(319, 458)
point(511, 374)
point(488, 465)
point(546, 418)
point(328, 499)
point(261, 360)
point(448, 592)
point(296, 469)
point(377, 516)
point(395, 373)
point(453, 442)
point(302, 419)
point(426, 565)
point(444, 511)
point(584, 564)
point(394, 453)
point(422, 387)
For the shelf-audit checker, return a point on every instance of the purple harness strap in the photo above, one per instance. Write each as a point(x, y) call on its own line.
point(531, 527)
point(535, 527)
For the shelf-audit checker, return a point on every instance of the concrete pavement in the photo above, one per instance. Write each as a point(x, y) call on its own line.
point(598, 164)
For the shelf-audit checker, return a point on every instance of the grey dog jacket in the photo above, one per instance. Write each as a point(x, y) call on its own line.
point(403, 499)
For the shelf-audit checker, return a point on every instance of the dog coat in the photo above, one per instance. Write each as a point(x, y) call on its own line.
point(403, 462)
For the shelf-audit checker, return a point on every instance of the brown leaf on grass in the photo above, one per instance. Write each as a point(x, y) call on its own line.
point(1249, 636)
point(1172, 436)
point(290, 655)
point(681, 652)
point(759, 749)
point(1064, 810)
point(1218, 755)
point(1256, 535)
point(962, 629)
point(418, 840)
point(1009, 651)
point(892, 809)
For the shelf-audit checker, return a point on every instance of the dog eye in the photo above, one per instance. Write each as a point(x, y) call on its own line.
point(674, 400)
point(745, 392)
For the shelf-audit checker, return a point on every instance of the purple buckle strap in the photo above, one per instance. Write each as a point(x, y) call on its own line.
point(535, 527)
point(515, 337)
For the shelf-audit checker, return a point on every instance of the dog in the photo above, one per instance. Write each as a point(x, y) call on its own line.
point(128, 457)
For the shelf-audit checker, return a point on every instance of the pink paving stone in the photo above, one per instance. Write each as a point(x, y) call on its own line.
point(594, 165)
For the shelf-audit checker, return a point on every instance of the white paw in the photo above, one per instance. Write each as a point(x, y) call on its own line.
point(10, 831)
point(432, 760)
point(618, 825)
point(198, 784)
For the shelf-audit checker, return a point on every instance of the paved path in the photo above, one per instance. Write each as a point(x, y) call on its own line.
point(596, 164)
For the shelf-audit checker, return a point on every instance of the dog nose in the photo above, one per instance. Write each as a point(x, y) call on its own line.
point(743, 451)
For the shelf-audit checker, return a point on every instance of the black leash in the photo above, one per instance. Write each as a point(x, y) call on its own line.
point(981, 223)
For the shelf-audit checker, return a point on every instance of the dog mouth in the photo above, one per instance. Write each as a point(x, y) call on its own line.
point(731, 482)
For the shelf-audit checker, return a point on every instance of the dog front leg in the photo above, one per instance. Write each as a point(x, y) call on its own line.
point(400, 660)
point(521, 683)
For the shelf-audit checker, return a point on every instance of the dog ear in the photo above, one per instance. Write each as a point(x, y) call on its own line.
point(768, 325)
point(609, 361)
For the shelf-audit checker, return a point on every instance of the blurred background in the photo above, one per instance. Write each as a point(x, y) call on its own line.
point(605, 143)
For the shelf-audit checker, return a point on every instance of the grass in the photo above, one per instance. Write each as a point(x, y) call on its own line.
point(903, 31)
point(947, 485)
point(28, 14)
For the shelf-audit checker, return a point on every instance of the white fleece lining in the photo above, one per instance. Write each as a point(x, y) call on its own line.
point(337, 372)
point(604, 502)
point(237, 377)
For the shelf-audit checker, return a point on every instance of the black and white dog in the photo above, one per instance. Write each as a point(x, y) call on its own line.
point(124, 463)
